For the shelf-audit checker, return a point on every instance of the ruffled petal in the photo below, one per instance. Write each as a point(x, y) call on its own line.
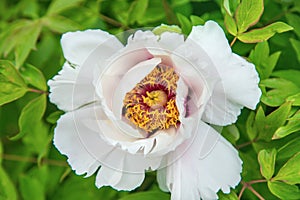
point(238, 86)
point(78, 45)
point(62, 89)
point(73, 86)
point(204, 165)
point(87, 151)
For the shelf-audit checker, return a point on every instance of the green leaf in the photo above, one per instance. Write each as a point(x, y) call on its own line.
point(293, 20)
point(290, 172)
point(147, 196)
point(268, 125)
point(289, 149)
point(137, 11)
point(230, 24)
point(230, 6)
point(291, 75)
point(186, 25)
point(263, 62)
point(264, 33)
point(7, 188)
point(60, 24)
point(31, 114)
point(12, 85)
point(53, 117)
point(166, 28)
point(31, 188)
point(58, 6)
point(296, 46)
point(292, 126)
point(248, 13)
point(284, 191)
point(231, 133)
point(27, 41)
point(33, 76)
point(197, 20)
point(231, 196)
point(280, 89)
point(295, 99)
point(266, 159)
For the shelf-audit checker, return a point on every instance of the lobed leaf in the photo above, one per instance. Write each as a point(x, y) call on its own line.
point(137, 11)
point(264, 62)
point(290, 172)
point(12, 85)
point(59, 6)
point(266, 159)
point(33, 76)
point(263, 34)
point(60, 24)
point(30, 115)
point(292, 126)
point(284, 191)
point(185, 23)
point(248, 13)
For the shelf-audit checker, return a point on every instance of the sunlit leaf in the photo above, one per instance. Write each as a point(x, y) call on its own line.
point(53, 117)
point(280, 89)
point(166, 28)
point(27, 41)
point(58, 6)
point(290, 172)
point(248, 13)
point(33, 76)
point(60, 24)
point(292, 126)
point(264, 62)
point(284, 191)
point(230, 24)
point(266, 159)
point(291, 75)
point(263, 34)
point(12, 85)
point(268, 125)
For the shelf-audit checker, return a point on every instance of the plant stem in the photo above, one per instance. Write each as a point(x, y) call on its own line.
point(38, 91)
point(112, 21)
point(233, 41)
point(18, 158)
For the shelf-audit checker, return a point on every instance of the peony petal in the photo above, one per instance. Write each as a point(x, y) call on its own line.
point(227, 99)
point(204, 165)
point(78, 45)
point(87, 151)
point(73, 86)
point(62, 89)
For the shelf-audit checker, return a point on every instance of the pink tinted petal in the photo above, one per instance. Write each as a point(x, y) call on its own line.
point(238, 83)
point(78, 45)
point(209, 164)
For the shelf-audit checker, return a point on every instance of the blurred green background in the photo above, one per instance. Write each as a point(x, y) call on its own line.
point(31, 168)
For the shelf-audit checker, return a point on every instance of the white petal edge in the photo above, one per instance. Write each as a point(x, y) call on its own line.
point(78, 45)
point(86, 151)
point(239, 80)
point(209, 164)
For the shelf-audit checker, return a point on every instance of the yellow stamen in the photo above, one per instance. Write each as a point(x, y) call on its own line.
point(151, 105)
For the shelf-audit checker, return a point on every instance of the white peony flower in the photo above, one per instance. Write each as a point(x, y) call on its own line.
point(148, 105)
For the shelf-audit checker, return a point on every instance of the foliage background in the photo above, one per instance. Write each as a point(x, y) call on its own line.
point(267, 139)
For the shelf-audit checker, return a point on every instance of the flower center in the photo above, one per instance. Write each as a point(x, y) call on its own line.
point(151, 104)
point(156, 99)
